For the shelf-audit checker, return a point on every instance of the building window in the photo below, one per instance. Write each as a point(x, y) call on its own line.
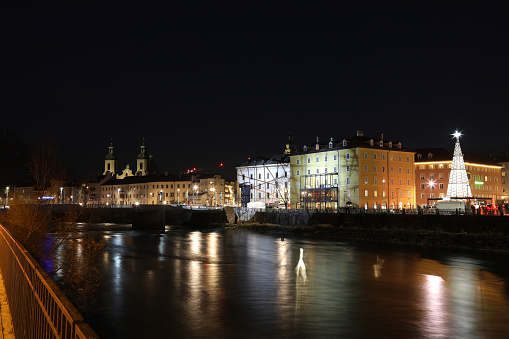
point(375, 194)
point(365, 168)
point(374, 156)
point(407, 159)
point(375, 181)
point(335, 181)
point(335, 169)
point(268, 185)
point(298, 172)
point(423, 196)
point(441, 175)
point(383, 156)
point(259, 186)
point(335, 157)
point(399, 182)
point(392, 181)
point(309, 160)
point(348, 168)
point(298, 161)
point(348, 180)
point(365, 180)
point(399, 157)
point(422, 176)
point(399, 170)
point(326, 158)
point(251, 176)
point(432, 195)
point(431, 176)
point(441, 186)
point(383, 194)
point(383, 169)
point(317, 171)
point(408, 171)
point(309, 172)
point(366, 193)
point(431, 166)
point(325, 170)
point(374, 168)
point(408, 182)
point(423, 186)
point(317, 159)
point(259, 176)
point(347, 156)
point(365, 155)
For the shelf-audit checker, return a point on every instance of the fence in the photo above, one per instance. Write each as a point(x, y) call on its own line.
point(38, 308)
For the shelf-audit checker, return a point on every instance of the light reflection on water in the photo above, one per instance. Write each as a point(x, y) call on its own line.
point(231, 284)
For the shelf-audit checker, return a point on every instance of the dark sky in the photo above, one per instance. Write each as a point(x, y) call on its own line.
point(210, 83)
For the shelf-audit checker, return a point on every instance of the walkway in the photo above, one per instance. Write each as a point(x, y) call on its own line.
point(6, 329)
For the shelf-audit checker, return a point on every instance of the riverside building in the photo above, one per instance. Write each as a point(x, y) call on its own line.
point(357, 171)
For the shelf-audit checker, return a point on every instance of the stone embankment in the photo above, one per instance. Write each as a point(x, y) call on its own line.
point(420, 237)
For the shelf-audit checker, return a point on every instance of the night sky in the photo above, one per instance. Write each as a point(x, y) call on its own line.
point(206, 84)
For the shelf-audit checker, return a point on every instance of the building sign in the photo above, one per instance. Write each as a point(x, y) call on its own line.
point(47, 197)
point(479, 182)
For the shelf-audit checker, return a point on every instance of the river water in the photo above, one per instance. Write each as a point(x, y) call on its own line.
point(216, 283)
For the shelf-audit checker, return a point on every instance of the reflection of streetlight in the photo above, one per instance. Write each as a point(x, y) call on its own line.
point(397, 198)
point(213, 190)
point(7, 191)
point(178, 196)
point(118, 196)
point(61, 189)
point(194, 194)
point(161, 197)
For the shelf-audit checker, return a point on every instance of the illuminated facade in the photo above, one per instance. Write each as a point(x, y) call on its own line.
point(357, 171)
point(164, 189)
point(432, 171)
point(503, 160)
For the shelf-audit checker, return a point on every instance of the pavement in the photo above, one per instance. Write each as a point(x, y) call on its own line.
point(6, 328)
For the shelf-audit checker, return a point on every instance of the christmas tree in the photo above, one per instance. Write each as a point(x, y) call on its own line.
point(459, 187)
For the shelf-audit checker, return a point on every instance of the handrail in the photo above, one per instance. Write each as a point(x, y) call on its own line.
point(38, 307)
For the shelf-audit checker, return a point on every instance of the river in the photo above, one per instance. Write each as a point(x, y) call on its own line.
point(216, 283)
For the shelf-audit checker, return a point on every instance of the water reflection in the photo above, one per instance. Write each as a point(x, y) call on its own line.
point(240, 284)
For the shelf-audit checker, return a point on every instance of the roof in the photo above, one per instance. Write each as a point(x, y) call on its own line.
point(444, 154)
point(155, 178)
point(353, 142)
point(267, 160)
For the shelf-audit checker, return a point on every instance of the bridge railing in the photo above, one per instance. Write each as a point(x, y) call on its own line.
point(38, 307)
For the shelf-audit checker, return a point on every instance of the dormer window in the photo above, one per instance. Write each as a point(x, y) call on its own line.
point(330, 144)
point(419, 156)
point(381, 143)
point(344, 142)
point(317, 147)
point(371, 142)
point(399, 144)
point(430, 155)
point(305, 148)
point(390, 144)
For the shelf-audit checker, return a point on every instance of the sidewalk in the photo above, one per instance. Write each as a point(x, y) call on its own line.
point(6, 329)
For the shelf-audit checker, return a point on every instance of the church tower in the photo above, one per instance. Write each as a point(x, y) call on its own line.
point(290, 146)
point(142, 161)
point(110, 162)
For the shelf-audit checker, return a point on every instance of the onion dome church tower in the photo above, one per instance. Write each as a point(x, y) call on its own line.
point(459, 187)
point(142, 161)
point(110, 162)
point(290, 145)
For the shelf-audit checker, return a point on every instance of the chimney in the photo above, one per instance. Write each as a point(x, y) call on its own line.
point(360, 133)
point(381, 136)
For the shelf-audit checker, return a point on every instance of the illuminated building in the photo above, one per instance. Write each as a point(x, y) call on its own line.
point(357, 171)
point(503, 160)
point(433, 166)
point(265, 181)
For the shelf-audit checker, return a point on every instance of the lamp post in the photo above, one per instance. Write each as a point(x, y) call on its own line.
point(397, 198)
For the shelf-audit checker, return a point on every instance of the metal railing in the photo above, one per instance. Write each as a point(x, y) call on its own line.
point(38, 308)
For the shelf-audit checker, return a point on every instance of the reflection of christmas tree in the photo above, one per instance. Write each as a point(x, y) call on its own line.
point(458, 179)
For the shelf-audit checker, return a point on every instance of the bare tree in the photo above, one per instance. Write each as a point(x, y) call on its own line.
point(50, 234)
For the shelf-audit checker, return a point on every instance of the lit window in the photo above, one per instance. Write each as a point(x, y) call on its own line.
point(366, 193)
point(365, 180)
point(375, 194)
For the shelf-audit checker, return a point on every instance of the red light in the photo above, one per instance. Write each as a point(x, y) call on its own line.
point(188, 171)
point(221, 165)
point(194, 168)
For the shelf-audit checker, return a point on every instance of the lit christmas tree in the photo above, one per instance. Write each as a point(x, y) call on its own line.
point(459, 187)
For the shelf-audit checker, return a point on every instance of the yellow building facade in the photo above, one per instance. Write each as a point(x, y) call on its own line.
point(358, 172)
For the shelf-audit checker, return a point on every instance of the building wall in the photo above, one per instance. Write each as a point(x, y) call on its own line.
point(362, 177)
point(270, 183)
point(432, 178)
point(505, 181)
